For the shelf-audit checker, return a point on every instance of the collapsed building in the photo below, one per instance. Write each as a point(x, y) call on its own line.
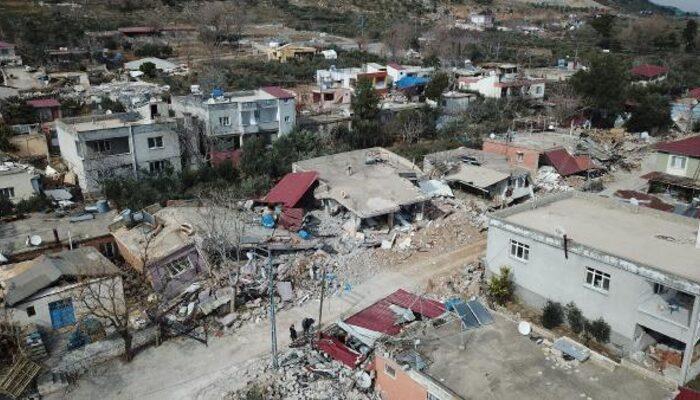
point(483, 173)
point(372, 184)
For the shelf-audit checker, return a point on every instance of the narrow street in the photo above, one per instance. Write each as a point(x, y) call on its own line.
point(185, 369)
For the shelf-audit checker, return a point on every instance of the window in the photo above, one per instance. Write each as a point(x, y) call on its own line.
point(102, 146)
point(520, 251)
point(432, 397)
point(389, 371)
point(287, 118)
point(224, 121)
point(155, 167)
point(520, 157)
point(107, 250)
point(30, 311)
point(678, 162)
point(177, 267)
point(8, 192)
point(155, 142)
point(597, 279)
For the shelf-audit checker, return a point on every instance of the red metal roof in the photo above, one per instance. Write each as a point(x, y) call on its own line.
point(380, 318)
point(694, 93)
point(396, 66)
point(5, 45)
point(686, 147)
point(566, 164)
point(291, 188)
point(649, 70)
point(44, 103)
point(645, 199)
point(278, 92)
point(687, 394)
point(292, 218)
point(338, 351)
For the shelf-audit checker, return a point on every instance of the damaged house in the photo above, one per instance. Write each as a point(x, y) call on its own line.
point(677, 168)
point(48, 290)
point(633, 266)
point(372, 184)
point(483, 173)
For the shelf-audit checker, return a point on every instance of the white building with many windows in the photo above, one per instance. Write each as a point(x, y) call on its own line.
point(96, 148)
point(635, 267)
point(228, 117)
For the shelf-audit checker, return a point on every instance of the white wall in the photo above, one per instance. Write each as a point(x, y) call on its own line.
point(20, 181)
point(41, 302)
point(548, 275)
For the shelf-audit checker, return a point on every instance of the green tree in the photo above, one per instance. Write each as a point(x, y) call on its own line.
point(651, 114)
point(255, 157)
point(599, 330)
point(15, 110)
point(552, 314)
point(365, 101)
point(603, 25)
point(689, 33)
point(501, 287)
point(5, 134)
point(437, 85)
point(575, 317)
point(603, 87)
point(148, 69)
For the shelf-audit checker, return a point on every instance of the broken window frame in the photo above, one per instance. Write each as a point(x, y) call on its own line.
point(597, 280)
point(7, 192)
point(177, 267)
point(519, 250)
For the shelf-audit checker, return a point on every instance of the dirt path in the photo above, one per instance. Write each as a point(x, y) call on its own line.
point(184, 369)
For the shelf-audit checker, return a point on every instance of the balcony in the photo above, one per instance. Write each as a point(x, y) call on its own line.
point(670, 306)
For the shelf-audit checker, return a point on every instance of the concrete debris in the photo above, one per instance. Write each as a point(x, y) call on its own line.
point(549, 181)
point(305, 373)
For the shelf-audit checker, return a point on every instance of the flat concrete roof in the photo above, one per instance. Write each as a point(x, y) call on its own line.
point(88, 124)
point(540, 141)
point(13, 234)
point(492, 161)
point(496, 362)
point(372, 188)
point(657, 239)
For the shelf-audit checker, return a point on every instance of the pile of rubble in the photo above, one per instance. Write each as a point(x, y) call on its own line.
point(549, 181)
point(304, 373)
point(465, 283)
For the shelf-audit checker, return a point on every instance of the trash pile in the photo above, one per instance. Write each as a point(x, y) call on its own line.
point(305, 373)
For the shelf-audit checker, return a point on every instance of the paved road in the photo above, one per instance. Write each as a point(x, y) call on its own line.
point(184, 369)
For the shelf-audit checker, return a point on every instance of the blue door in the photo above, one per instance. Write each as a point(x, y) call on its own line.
point(62, 313)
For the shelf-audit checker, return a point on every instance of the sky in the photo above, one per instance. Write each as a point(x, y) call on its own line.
point(685, 5)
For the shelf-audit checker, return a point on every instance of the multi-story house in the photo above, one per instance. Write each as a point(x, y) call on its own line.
point(18, 182)
point(677, 168)
point(635, 267)
point(499, 81)
point(96, 148)
point(226, 118)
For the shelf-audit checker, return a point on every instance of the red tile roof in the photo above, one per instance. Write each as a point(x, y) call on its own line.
point(278, 92)
point(44, 103)
point(566, 164)
point(291, 188)
point(291, 218)
point(649, 70)
point(5, 45)
point(380, 318)
point(685, 147)
point(687, 394)
point(694, 93)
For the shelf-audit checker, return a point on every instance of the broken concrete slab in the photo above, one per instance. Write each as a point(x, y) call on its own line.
point(572, 348)
point(284, 289)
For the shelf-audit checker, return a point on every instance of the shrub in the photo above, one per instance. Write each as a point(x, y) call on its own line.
point(599, 330)
point(552, 314)
point(575, 318)
point(501, 287)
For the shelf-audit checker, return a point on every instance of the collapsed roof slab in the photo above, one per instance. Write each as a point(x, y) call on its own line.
point(369, 182)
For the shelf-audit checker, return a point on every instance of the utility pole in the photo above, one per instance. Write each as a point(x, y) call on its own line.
point(320, 307)
point(273, 323)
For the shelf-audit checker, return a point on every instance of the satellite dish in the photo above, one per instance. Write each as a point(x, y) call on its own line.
point(524, 328)
point(35, 240)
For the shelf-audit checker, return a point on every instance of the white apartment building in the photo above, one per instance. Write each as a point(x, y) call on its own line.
point(228, 117)
point(498, 81)
point(96, 148)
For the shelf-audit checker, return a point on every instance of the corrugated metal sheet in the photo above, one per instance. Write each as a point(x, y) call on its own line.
point(686, 147)
point(380, 318)
point(278, 92)
point(338, 351)
point(291, 188)
point(565, 163)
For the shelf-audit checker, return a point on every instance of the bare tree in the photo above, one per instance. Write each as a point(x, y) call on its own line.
point(220, 21)
point(398, 38)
